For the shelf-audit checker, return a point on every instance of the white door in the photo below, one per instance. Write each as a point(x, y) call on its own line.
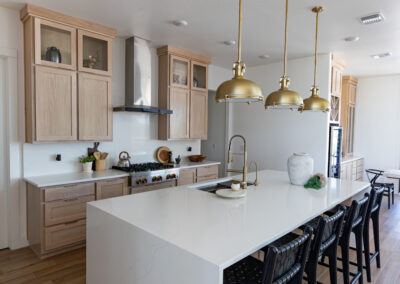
point(3, 158)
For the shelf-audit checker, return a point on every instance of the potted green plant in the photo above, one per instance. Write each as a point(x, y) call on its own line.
point(87, 163)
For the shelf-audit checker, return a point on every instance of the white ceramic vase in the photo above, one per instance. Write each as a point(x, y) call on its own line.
point(300, 168)
point(87, 167)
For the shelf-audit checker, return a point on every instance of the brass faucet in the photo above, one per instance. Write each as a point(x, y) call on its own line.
point(244, 171)
point(256, 180)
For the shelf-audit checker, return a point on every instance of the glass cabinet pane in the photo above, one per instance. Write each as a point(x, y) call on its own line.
point(95, 53)
point(180, 72)
point(55, 44)
point(199, 76)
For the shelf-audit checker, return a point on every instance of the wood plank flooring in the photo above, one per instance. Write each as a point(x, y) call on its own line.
point(22, 266)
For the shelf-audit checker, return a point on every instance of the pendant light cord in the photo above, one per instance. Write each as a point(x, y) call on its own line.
point(316, 48)
point(285, 48)
point(240, 33)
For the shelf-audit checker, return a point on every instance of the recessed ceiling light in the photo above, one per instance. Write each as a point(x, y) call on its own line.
point(381, 55)
point(352, 38)
point(230, 42)
point(264, 56)
point(180, 23)
point(372, 18)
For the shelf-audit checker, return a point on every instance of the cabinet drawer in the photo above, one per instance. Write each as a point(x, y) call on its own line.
point(68, 191)
point(207, 177)
point(111, 188)
point(63, 235)
point(59, 212)
point(207, 171)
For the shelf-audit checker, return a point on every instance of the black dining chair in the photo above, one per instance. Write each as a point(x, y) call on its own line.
point(284, 262)
point(373, 175)
point(327, 231)
point(353, 223)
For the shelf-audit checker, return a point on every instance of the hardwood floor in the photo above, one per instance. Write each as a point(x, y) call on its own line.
point(22, 266)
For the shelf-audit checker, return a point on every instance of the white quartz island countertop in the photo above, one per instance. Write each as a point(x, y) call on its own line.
point(185, 235)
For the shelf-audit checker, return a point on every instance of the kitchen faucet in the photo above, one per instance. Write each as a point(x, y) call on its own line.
point(256, 180)
point(243, 183)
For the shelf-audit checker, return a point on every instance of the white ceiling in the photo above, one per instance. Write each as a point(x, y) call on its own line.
point(213, 21)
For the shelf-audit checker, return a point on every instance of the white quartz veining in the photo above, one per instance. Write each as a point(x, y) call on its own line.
point(69, 178)
point(217, 231)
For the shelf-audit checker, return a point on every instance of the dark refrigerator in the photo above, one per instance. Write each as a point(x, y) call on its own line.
point(335, 146)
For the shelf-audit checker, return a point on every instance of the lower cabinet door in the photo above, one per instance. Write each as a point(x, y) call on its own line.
point(94, 107)
point(63, 235)
point(111, 188)
point(187, 176)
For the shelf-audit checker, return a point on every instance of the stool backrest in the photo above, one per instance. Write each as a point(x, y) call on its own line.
point(287, 262)
point(373, 175)
point(356, 215)
point(375, 202)
point(328, 231)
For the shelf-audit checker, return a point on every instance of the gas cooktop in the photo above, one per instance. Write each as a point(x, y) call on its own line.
point(144, 167)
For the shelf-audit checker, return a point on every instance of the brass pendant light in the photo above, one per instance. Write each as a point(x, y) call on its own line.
point(239, 89)
point(315, 102)
point(284, 98)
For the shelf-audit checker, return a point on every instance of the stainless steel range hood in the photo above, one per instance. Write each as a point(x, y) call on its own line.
point(138, 78)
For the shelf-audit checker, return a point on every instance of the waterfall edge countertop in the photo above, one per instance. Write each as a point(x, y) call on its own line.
point(185, 235)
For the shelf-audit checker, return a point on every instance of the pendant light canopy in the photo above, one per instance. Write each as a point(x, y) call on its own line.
point(315, 102)
point(284, 98)
point(239, 89)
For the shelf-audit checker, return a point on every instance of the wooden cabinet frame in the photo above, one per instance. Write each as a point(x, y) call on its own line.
point(81, 34)
point(38, 58)
point(171, 71)
point(193, 62)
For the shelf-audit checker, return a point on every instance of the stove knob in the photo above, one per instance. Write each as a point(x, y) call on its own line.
point(154, 179)
point(138, 181)
point(145, 180)
point(159, 178)
point(173, 176)
point(168, 176)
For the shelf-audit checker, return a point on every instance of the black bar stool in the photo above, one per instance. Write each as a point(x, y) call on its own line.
point(373, 175)
point(326, 237)
point(284, 262)
point(373, 210)
point(353, 223)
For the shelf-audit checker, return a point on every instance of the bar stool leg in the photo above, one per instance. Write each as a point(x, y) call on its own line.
point(311, 270)
point(345, 264)
point(358, 235)
point(332, 254)
point(375, 224)
point(367, 250)
point(388, 198)
point(392, 195)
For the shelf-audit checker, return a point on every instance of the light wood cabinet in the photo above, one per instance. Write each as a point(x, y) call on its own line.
point(182, 88)
point(187, 176)
point(352, 169)
point(111, 188)
point(348, 105)
point(336, 88)
point(151, 187)
point(57, 215)
point(198, 114)
point(55, 105)
point(198, 174)
point(95, 107)
point(57, 47)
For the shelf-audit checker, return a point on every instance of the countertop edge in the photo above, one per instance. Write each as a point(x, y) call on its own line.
point(196, 165)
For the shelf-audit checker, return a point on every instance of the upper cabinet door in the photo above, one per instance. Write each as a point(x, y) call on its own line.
point(198, 115)
point(55, 44)
point(94, 107)
point(179, 120)
point(199, 76)
point(94, 53)
point(55, 107)
point(179, 71)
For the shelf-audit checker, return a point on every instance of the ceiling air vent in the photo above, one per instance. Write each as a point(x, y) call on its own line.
point(372, 19)
point(381, 55)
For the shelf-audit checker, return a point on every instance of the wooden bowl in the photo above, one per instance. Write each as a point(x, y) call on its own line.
point(197, 158)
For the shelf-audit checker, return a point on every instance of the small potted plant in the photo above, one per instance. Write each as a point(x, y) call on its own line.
point(87, 163)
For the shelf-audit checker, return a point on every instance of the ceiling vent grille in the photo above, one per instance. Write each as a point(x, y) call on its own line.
point(372, 19)
point(381, 55)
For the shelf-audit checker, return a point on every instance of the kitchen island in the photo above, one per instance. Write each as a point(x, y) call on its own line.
point(185, 235)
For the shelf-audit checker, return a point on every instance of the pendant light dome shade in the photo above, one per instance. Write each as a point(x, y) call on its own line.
point(239, 89)
point(315, 102)
point(284, 98)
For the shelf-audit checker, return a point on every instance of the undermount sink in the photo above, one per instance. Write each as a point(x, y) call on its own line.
point(212, 188)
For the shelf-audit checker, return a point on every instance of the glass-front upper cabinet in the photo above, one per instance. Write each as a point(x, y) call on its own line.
point(55, 44)
point(199, 76)
point(179, 71)
point(94, 53)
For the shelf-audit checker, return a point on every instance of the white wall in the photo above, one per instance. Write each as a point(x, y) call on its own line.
point(377, 128)
point(273, 135)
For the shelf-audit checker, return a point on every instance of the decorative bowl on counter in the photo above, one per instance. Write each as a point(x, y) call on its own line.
point(197, 158)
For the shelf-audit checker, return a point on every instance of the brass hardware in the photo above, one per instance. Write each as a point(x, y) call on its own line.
point(243, 183)
point(239, 89)
point(315, 102)
point(256, 180)
point(284, 98)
